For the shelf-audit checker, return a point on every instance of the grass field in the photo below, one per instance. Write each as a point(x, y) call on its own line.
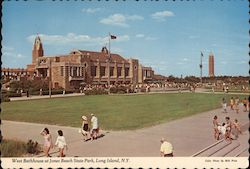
point(115, 112)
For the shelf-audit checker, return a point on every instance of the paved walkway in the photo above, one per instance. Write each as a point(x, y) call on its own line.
point(188, 136)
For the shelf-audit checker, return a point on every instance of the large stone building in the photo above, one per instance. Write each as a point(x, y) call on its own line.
point(211, 65)
point(86, 67)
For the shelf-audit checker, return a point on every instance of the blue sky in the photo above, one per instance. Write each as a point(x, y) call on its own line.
point(168, 36)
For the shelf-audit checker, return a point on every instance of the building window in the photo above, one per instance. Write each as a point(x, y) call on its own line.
point(61, 71)
point(56, 85)
point(126, 71)
point(102, 71)
point(111, 71)
point(93, 71)
point(74, 71)
point(66, 71)
point(119, 71)
point(57, 59)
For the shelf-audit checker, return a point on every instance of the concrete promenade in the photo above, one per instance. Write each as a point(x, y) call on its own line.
point(188, 136)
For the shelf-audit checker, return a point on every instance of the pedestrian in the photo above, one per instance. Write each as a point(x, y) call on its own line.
point(224, 105)
point(236, 125)
point(232, 103)
point(228, 128)
point(166, 149)
point(85, 128)
point(236, 104)
point(244, 101)
point(95, 129)
point(41, 92)
point(61, 143)
point(222, 130)
point(216, 131)
point(47, 141)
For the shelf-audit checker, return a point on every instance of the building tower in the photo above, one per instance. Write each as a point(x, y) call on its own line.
point(211, 65)
point(37, 49)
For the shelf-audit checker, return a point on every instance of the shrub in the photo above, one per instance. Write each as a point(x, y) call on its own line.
point(33, 147)
point(13, 148)
point(96, 91)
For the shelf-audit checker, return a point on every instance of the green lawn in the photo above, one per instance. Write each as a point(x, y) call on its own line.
point(115, 112)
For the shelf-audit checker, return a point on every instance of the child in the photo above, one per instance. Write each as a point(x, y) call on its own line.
point(61, 143)
point(232, 103)
point(237, 101)
point(47, 141)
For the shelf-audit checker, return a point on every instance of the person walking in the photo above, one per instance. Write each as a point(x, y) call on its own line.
point(236, 104)
point(61, 143)
point(95, 129)
point(232, 103)
point(47, 141)
point(166, 149)
point(224, 105)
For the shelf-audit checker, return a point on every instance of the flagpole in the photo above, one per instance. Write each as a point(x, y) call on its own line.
point(109, 57)
point(201, 67)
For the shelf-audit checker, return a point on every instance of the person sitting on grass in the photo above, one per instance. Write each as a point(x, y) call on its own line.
point(85, 128)
point(47, 141)
point(61, 143)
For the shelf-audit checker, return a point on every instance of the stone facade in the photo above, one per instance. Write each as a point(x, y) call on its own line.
point(86, 67)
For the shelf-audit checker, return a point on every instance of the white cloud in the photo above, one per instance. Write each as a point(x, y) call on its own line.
point(140, 36)
point(193, 37)
point(91, 10)
point(151, 38)
point(120, 19)
point(10, 52)
point(223, 62)
point(185, 59)
point(7, 48)
point(161, 15)
point(71, 38)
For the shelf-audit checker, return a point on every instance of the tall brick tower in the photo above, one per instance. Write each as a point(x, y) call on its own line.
point(211, 65)
point(37, 49)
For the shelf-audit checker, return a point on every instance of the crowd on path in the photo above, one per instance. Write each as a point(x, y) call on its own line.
point(229, 130)
point(89, 133)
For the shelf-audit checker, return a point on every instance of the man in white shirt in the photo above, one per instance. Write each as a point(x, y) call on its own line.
point(95, 128)
point(166, 148)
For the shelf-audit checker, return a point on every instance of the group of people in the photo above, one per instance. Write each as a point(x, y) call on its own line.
point(89, 133)
point(48, 144)
point(228, 130)
point(234, 104)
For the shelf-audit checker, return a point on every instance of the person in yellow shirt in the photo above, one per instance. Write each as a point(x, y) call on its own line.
point(166, 148)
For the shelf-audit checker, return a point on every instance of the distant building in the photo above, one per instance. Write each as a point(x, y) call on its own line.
point(84, 67)
point(211, 65)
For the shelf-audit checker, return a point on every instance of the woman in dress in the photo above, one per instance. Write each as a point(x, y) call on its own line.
point(85, 128)
point(47, 141)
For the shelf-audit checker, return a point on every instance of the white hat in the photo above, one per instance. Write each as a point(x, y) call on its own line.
point(84, 117)
point(92, 114)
